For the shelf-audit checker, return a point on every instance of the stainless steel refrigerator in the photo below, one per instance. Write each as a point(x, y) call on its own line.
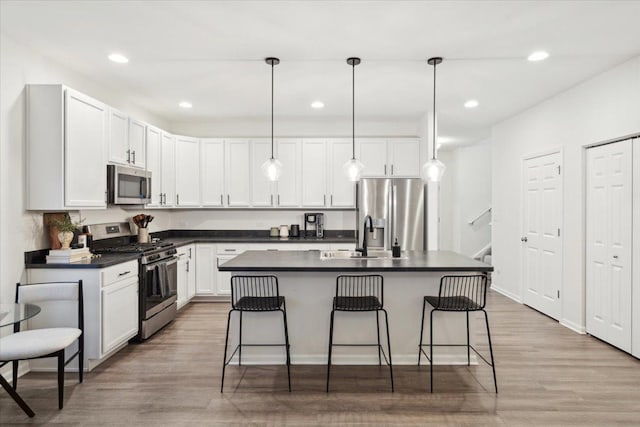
point(398, 209)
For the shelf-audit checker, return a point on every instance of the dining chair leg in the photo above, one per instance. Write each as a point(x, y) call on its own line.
point(493, 363)
point(60, 379)
point(378, 329)
point(286, 341)
point(81, 357)
point(14, 366)
point(330, 347)
point(468, 343)
point(224, 359)
point(240, 342)
point(16, 397)
point(424, 305)
point(386, 319)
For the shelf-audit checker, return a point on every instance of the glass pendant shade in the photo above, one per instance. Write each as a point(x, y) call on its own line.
point(433, 170)
point(353, 169)
point(272, 169)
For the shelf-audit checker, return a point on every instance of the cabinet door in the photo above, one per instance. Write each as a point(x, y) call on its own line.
point(119, 137)
point(187, 172)
point(137, 131)
point(404, 157)
point(212, 172)
point(261, 187)
point(238, 173)
point(314, 193)
point(191, 271)
point(373, 155)
point(183, 280)
point(342, 192)
point(119, 313)
point(288, 193)
point(85, 143)
point(168, 178)
point(154, 164)
point(223, 277)
point(206, 271)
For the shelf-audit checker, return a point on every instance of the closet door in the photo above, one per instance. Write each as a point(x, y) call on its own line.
point(609, 210)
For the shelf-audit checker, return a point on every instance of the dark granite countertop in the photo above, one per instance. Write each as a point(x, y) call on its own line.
point(106, 260)
point(310, 261)
point(181, 241)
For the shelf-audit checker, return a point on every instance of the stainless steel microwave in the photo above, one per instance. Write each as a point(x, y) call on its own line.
point(128, 186)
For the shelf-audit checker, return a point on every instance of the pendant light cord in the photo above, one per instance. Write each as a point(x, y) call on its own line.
point(433, 156)
point(272, 65)
point(353, 110)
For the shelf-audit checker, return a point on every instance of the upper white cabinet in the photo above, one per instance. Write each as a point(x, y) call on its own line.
point(288, 186)
point(66, 143)
point(261, 188)
point(126, 140)
point(212, 172)
point(238, 173)
point(314, 183)
point(342, 192)
point(154, 164)
point(399, 157)
point(187, 172)
point(168, 177)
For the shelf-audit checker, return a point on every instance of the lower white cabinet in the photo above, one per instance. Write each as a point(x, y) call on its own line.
point(119, 313)
point(206, 269)
point(186, 274)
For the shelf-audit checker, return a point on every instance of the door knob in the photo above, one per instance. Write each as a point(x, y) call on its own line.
point(524, 239)
point(615, 257)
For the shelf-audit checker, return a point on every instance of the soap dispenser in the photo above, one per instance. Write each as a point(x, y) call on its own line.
point(395, 249)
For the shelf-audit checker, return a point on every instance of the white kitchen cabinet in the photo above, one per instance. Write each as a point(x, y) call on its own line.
point(186, 274)
point(191, 271)
point(314, 185)
point(373, 155)
point(238, 173)
point(288, 186)
point(404, 157)
point(212, 172)
point(342, 192)
point(119, 137)
point(137, 139)
point(66, 149)
point(187, 172)
point(154, 164)
point(261, 188)
point(206, 271)
point(224, 254)
point(119, 313)
point(168, 177)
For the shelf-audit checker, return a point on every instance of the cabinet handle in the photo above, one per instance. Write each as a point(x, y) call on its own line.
point(190, 253)
point(230, 250)
point(128, 156)
point(615, 257)
point(177, 199)
point(124, 274)
point(391, 168)
point(278, 200)
point(105, 197)
point(385, 169)
point(163, 200)
point(134, 156)
point(187, 266)
point(272, 200)
point(221, 200)
point(332, 200)
point(228, 200)
point(324, 200)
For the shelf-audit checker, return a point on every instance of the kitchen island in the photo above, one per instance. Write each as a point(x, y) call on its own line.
point(308, 283)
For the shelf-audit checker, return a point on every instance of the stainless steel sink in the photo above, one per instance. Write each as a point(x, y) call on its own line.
point(372, 254)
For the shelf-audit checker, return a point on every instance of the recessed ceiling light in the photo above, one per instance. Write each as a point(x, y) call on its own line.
point(317, 104)
point(119, 58)
point(185, 104)
point(538, 55)
point(472, 103)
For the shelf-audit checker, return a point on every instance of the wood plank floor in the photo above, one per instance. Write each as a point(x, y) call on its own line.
point(547, 374)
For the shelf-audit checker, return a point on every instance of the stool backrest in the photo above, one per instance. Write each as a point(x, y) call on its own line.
point(253, 286)
point(473, 287)
point(34, 293)
point(370, 285)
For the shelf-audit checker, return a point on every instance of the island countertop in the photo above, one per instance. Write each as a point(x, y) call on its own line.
point(310, 261)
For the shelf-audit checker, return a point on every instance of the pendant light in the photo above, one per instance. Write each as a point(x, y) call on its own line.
point(353, 168)
point(272, 168)
point(434, 168)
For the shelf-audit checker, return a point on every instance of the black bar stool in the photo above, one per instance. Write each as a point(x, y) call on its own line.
point(255, 294)
point(360, 293)
point(461, 294)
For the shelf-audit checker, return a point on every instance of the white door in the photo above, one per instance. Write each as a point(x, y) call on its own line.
point(373, 155)
point(609, 262)
point(85, 178)
point(119, 137)
point(342, 192)
point(314, 191)
point(212, 172)
point(542, 234)
point(154, 164)
point(137, 131)
point(168, 183)
point(288, 193)
point(261, 187)
point(238, 173)
point(404, 157)
point(187, 172)
point(206, 271)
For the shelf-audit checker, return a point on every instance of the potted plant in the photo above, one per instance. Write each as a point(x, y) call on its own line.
point(65, 227)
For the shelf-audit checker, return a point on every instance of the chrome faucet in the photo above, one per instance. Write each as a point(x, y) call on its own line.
point(363, 250)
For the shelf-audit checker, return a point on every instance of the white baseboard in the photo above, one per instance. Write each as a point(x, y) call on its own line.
point(304, 359)
point(506, 293)
point(573, 326)
point(6, 372)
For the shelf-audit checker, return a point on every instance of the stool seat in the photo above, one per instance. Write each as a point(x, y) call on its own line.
point(259, 303)
point(364, 303)
point(457, 303)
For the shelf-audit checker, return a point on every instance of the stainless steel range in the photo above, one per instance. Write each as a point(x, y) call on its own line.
point(157, 272)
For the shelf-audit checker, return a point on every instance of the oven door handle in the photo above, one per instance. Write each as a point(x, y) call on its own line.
point(169, 261)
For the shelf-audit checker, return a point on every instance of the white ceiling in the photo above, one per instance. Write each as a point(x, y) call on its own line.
point(211, 53)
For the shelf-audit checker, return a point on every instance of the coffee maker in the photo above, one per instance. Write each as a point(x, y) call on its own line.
point(314, 225)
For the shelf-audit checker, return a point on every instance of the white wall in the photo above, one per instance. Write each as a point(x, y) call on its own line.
point(602, 108)
point(465, 191)
point(20, 230)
